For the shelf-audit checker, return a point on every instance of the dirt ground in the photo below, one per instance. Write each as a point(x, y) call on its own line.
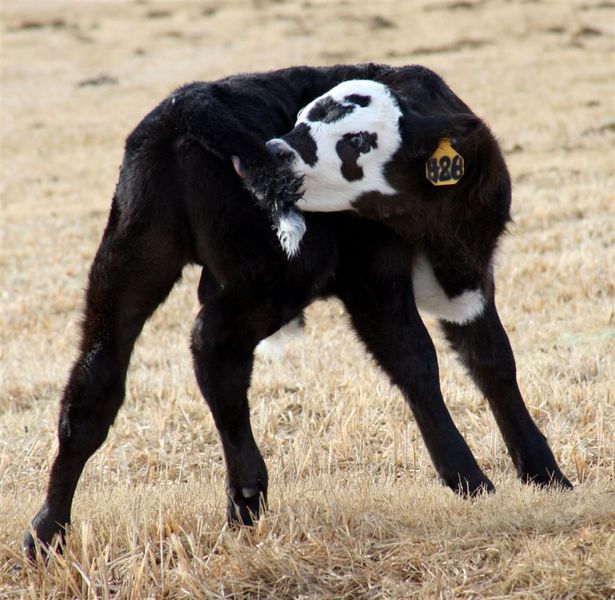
point(355, 508)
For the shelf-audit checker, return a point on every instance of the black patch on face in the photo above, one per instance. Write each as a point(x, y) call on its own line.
point(329, 110)
point(301, 140)
point(359, 99)
point(350, 147)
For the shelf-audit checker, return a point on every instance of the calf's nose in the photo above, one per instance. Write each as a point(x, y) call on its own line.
point(281, 152)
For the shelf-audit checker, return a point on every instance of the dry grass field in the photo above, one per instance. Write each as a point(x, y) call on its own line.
point(355, 508)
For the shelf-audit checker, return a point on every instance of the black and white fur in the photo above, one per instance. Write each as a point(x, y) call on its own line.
point(340, 148)
point(179, 200)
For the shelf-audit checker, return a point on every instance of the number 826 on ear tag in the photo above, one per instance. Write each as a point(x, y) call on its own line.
point(445, 166)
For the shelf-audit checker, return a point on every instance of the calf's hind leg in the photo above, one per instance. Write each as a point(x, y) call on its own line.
point(225, 334)
point(484, 349)
point(131, 275)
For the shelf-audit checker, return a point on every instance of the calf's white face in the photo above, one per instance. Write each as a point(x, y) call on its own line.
point(341, 144)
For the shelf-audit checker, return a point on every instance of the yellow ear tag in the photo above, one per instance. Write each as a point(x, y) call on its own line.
point(445, 166)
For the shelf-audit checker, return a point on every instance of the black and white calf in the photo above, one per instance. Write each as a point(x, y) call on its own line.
point(179, 200)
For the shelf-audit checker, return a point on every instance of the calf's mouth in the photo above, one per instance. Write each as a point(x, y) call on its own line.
point(277, 191)
point(282, 196)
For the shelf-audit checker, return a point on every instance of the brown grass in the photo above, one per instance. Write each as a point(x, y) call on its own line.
point(355, 507)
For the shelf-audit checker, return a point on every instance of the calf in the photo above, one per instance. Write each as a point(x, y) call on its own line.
point(179, 200)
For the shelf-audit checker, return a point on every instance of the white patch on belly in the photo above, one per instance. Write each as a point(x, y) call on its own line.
point(430, 296)
point(275, 346)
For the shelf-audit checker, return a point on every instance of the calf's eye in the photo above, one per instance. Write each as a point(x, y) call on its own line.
point(362, 142)
point(357, 140)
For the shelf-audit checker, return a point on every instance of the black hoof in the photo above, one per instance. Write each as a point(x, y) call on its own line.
point(37, 549)
point(471, 487)
point(31, 549)
point(245, 504)
point(44, 533)
point(548, 479)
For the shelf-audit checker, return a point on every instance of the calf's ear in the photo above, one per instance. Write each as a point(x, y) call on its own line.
point(421, 135)
point(239, 168)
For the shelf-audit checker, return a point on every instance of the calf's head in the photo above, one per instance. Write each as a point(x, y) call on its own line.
point(341, 144)
point(358, 140)
point(348, 141)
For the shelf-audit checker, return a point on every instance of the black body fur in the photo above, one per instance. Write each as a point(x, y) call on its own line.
point(179, 201)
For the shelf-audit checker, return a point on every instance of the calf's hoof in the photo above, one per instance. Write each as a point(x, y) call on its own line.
point(44, 533)
point(470, 487)
point(245, 504)
point(34, 548)
point(552, 479)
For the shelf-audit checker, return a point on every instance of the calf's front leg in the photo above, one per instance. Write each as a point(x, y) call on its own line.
point(484, 349)
point(386, 318)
